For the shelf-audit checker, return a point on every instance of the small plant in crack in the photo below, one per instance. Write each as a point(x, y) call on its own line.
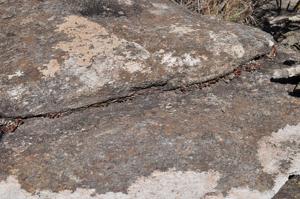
point(9, 126)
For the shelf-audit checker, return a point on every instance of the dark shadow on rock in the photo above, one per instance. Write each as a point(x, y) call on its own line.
point(295, 93)
point(290, 62)
point(291, 80)
point(1, 135)
point(104, 8)
point(292, 177)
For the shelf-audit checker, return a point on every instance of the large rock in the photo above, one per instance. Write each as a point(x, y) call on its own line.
point(232, 140)
point(53, 60)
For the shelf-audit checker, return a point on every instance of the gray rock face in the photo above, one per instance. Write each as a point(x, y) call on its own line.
point(229, 141)
point(292, 39)
point(287, 72)
point(236, 139)
point(53, 60)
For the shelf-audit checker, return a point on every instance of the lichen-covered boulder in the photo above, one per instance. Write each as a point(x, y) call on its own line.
point(58, 55)
point(231, 140)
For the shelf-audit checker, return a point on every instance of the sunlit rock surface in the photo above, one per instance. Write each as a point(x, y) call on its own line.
point(229, 140)
point(235, 138)
point(54, 59)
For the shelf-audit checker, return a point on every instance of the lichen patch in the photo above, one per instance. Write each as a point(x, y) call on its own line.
point(283, 145)
point(159, 9)
point(170, 184)
point(171, 61)
point(240, 193)
point(227, 42)
point(161, 6)
point(94, 55)
point(18, 73)
point(175, 184)
point(181, 30)
point(89, 39)
point(126, 2)
point(51, 69)
point(16, 92)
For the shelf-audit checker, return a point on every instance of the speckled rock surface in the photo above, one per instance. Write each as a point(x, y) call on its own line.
point(54, 59)
point(291, 190)
point(129, 133)
point(230, 140)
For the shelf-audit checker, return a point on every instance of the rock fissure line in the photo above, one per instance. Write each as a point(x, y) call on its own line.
point(95, 59)
point(10, 124)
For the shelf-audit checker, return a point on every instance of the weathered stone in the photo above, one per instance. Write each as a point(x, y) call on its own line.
point(52, 60)
point(292, 39)
point(291, 190)
point(232, 140)
point(235, 139)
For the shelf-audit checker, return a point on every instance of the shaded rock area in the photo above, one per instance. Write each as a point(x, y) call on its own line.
point(281, 18)
point(143, 100)
point(292, 39)
point(53, 60)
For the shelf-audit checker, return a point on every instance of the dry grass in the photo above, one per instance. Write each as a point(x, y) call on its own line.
point(243, 11)
point(231, 10)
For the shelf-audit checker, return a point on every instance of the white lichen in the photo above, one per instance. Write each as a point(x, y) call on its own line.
point(276, 148)
point(170, 60)
point(159, 9)
point(126, 2)
point(281, 146)
point(227, 42)
point(18, 73)
point(181, 30)
point(170, 184)
point(174, 184)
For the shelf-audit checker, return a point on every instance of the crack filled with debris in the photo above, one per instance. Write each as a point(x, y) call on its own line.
point(10, 124)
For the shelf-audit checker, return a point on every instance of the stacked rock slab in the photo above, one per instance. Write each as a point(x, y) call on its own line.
point(57, 56)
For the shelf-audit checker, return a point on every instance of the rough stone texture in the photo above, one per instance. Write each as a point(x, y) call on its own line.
point(237, 138)
point(292, 39)
point(54, 60)
point(229, 140)
point(291, 190)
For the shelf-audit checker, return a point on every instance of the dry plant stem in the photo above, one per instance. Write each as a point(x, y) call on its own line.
point(296, 6)
point(232, 10)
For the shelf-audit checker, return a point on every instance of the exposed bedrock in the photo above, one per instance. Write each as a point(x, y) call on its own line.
point(53, 59)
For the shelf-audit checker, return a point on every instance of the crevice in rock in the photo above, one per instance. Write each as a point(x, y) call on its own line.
point(290, 80)
point(146, 89)
point(1, 135)
point(290, 62)
point(292, 177)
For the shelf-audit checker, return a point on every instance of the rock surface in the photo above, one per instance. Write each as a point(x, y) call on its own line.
point(290, 190)
point(130, 133)
point(53, 60)
point(229, 140)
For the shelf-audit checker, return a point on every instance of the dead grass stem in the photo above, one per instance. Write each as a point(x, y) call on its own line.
point(230, 10)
